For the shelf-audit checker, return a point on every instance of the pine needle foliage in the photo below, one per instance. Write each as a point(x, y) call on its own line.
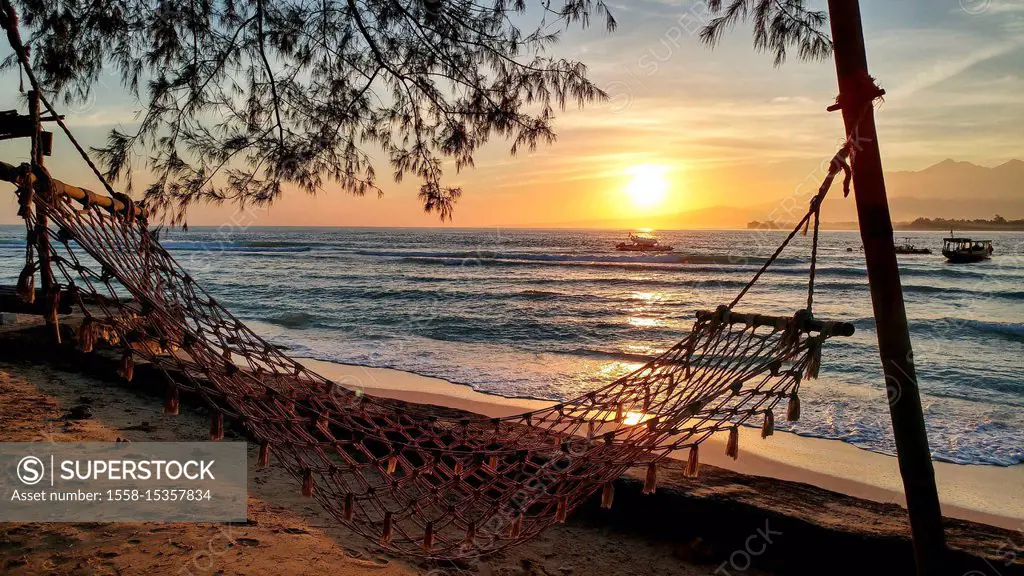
point(778, 27)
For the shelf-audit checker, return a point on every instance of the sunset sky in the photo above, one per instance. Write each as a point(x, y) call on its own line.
point(686, 128)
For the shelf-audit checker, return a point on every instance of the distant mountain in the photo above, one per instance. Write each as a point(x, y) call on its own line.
point(952, 179)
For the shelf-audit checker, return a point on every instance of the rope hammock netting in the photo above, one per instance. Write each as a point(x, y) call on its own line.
point(415, 479)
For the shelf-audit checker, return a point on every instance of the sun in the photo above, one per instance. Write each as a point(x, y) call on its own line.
point(647, 185)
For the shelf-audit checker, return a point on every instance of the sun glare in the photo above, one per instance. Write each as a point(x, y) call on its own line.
point(647, 185)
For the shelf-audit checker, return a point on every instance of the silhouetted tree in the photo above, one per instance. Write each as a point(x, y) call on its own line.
point(778, 25)
point(240, 97)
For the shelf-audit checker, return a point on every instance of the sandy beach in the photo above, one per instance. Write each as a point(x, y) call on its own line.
point(812, 499)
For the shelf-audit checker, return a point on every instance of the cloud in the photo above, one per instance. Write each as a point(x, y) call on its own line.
point(949, 68)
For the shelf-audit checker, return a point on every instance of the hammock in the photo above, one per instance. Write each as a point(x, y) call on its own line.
point(415, 479)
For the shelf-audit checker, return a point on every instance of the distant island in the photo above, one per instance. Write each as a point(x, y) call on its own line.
point(997, 223)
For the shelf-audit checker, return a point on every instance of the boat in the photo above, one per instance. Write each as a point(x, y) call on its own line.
point(642, 243)
point(964, 250)
point(908, 248)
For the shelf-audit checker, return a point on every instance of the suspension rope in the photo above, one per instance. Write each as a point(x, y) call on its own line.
point(838, 163)
point(814, 258)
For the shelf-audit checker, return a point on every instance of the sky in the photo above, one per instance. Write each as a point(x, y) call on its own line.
point(686, 129)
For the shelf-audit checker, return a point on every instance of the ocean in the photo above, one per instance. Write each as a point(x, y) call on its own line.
point(552, 313)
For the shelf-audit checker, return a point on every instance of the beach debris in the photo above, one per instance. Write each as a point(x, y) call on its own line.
point(145, 426)
point(78, 412)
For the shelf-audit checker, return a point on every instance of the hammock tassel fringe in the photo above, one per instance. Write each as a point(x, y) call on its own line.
point(349, 508)
point(813, 359)
point(171, 401)
point(127, 370)
point(651, 482)
point(693, 462)
point(385, 535)
point(428, 537)
point(217, 426)
point(307, 484)
point(470, 535)
point(561, 511)
point(607, 496)
point(732, 447)
point(516, 529)
point(793, 410)
point(87, 335)
point(26, 288)
point(263, 459)
point(768, 428)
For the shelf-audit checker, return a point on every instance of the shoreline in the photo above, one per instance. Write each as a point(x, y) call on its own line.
point(978, 493)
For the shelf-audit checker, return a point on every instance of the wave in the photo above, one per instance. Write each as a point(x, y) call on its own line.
point(610, 354)
point(468, 256)
point(1009, 330)
point(980, 294)
point(950, 327)
point(296, 320)
point(272, 244)
point(225, 246)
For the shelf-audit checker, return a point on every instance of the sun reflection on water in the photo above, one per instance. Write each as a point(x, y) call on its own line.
point(632, 418)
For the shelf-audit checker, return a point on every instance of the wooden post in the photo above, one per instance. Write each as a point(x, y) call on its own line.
point(856, 91)
point(47, 282)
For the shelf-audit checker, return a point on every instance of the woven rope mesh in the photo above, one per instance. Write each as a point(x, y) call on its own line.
point(417, 479)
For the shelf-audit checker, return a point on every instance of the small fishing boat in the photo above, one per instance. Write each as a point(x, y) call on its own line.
point(964, 250)
point(908, 248)
point(642, 243)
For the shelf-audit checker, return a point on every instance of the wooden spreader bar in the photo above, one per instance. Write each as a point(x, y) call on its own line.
point(13, 174)
point(811, 324)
